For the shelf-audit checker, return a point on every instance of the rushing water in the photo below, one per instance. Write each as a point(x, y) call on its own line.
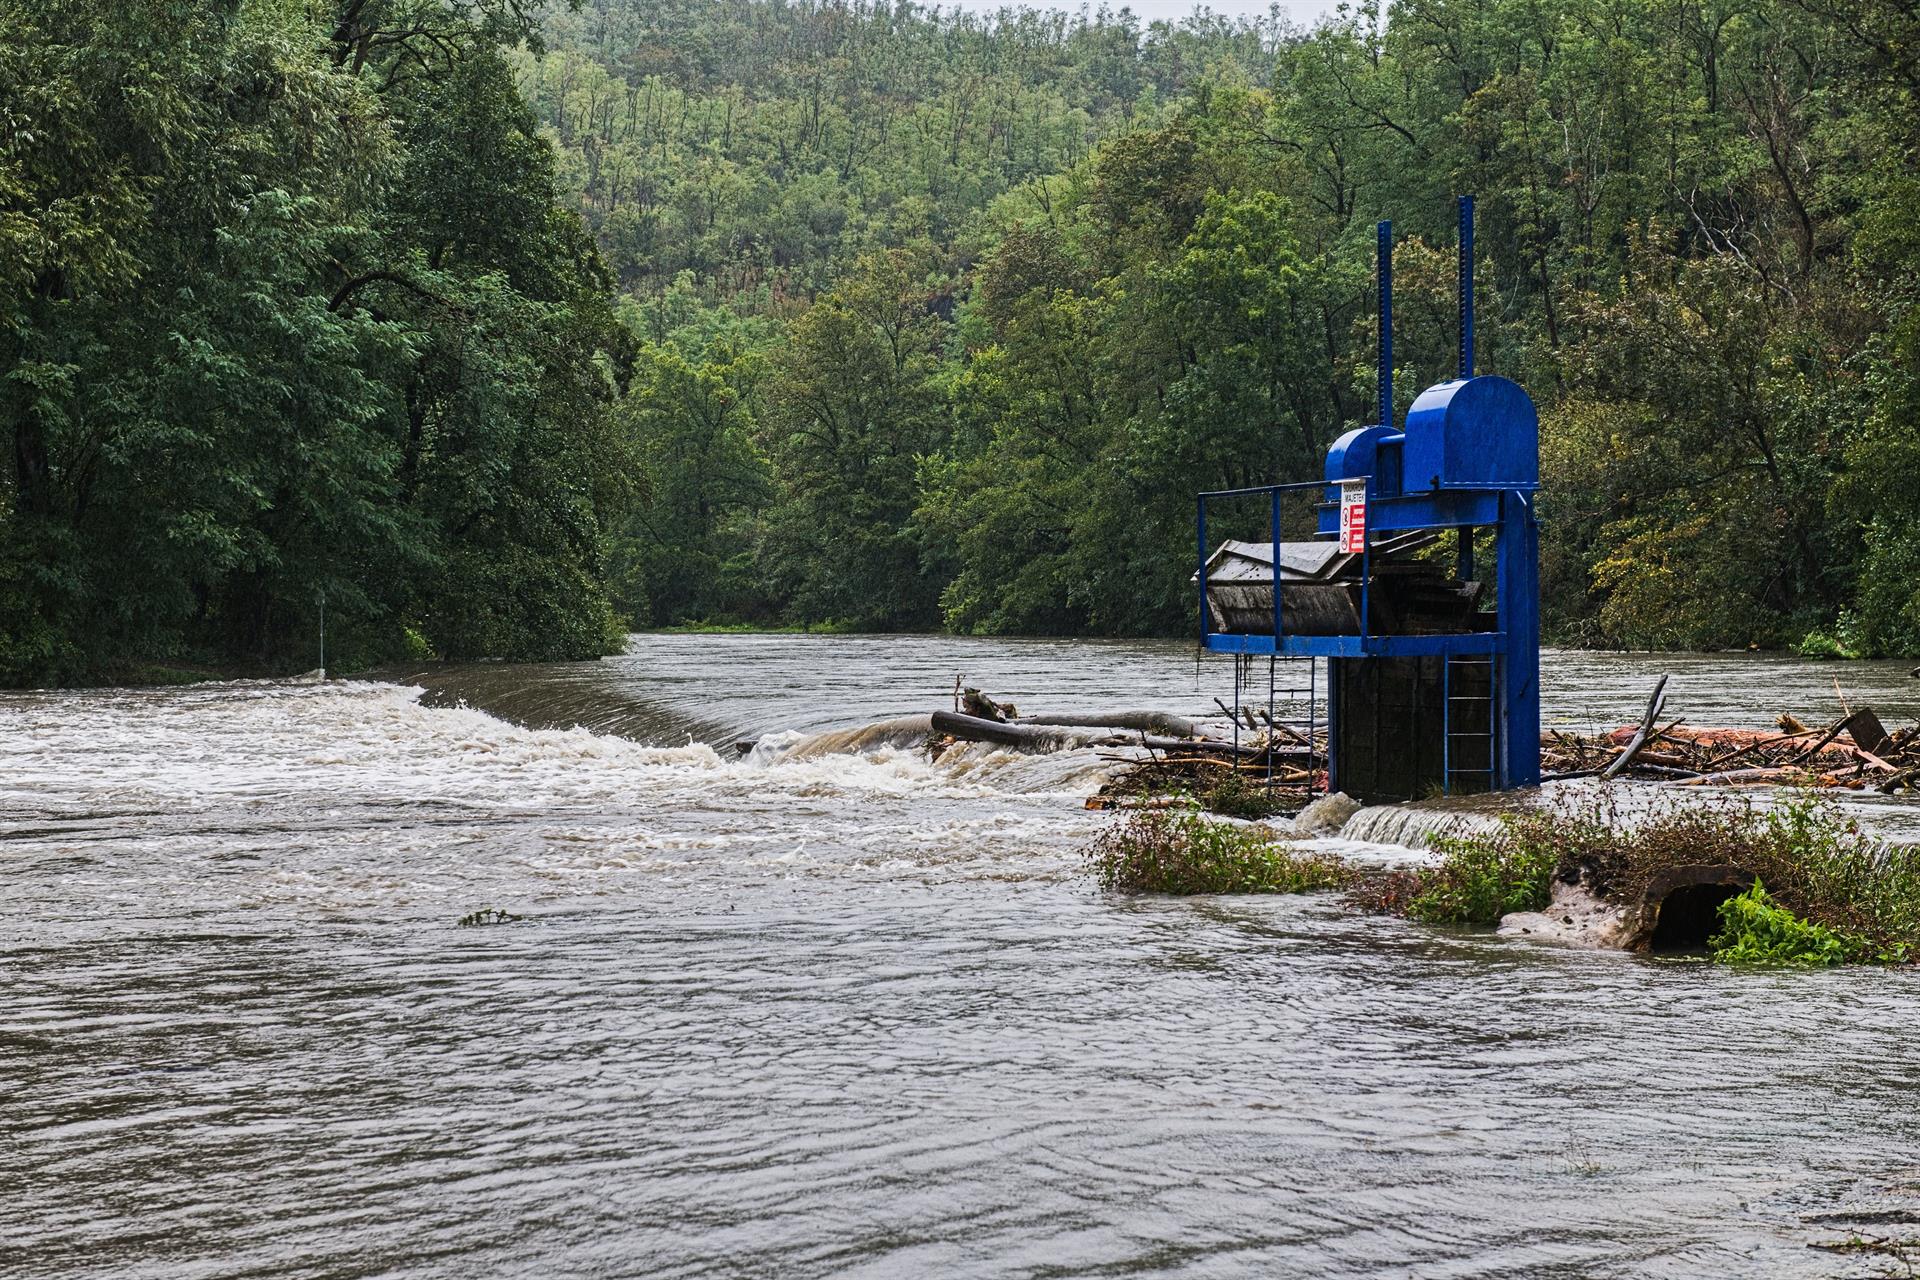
point(852, 1014)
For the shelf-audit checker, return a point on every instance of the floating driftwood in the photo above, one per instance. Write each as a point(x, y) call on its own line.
point(1027, 737)
point(1655, 702)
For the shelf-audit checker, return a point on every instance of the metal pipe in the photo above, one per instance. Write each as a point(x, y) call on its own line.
point(1272, 732)
point(1366, 557)
point(1384, 265)
point(1466, 287)
point(1313, 692)
point(1265, 488)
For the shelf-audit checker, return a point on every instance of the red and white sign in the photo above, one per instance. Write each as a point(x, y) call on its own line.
point(1353, 517)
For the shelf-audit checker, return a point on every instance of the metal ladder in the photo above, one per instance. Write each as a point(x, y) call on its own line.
point(1464, 676)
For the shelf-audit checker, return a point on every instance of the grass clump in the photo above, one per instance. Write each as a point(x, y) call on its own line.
point(1181, 851)
point(1484, 876)
point(1754, 929)
point(1236, 797)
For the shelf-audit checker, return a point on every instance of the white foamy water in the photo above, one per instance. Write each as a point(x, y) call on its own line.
point(852, 1014)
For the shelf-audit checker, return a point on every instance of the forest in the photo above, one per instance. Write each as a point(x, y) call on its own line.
point(493, 329)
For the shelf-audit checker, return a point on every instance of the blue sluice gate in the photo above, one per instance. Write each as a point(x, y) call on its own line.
point(1428, 689)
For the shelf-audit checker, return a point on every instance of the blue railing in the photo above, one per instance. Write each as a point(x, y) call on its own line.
point(1273, 493)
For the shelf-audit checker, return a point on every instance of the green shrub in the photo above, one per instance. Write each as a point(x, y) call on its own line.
point(1181, 851)
point(1483, 876)
point(1818, 644)
point(1821, 866)
point(1756, 930)
point(415, 647)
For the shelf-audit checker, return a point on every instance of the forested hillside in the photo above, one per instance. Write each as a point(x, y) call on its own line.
point(490, 325)
point(944, 318)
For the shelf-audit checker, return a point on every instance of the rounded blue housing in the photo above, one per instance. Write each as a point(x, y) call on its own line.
point(1471, 433)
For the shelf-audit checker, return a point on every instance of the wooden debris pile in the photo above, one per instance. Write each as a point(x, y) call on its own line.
point(1276, 771)
point(1855, 751)
point(1158, 754)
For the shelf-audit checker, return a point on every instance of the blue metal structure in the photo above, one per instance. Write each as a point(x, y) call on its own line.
point(1466, 458)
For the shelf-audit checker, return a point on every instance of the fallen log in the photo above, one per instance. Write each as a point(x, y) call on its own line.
point(1037, 737)
point(1029, 737)
point(1646, 765)
point(1751, 747)
point(1150, 721)
point(1887, 786)
point(1868, 757)
point(1741, 777)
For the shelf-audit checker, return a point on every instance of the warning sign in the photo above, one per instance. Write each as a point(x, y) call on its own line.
point(1353, 517)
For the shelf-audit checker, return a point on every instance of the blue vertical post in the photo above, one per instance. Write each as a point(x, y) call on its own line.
point(1517, 692)
point(1465, 291)
point(1466, 287)
point(1383, 256)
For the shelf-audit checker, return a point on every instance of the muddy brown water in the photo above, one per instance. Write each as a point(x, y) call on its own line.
point(849, 1016)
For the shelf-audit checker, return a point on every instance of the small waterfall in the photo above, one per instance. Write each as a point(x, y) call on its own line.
point(1412, 826)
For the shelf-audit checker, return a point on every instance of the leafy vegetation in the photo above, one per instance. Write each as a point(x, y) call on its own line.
point(1756, 930)
point(1236, 795)
point(1480, 878)
point(1179, 850)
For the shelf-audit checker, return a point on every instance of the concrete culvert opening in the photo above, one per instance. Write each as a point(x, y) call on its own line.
point(1685, 906)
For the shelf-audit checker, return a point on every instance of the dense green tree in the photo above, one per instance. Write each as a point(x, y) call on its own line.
point(852, 406)
point(703, 476)
point(291, 315)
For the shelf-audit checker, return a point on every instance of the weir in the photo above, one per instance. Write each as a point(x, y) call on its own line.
point(1428, 690)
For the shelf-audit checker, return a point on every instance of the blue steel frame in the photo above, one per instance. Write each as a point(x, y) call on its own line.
point(1515, 647)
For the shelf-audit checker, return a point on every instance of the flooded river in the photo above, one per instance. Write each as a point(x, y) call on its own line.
point(854, 1015)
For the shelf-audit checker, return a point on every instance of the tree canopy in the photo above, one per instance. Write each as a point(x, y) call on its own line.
point(495, 325)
